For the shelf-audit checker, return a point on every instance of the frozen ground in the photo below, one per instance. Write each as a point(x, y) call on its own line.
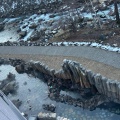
point(9, 34)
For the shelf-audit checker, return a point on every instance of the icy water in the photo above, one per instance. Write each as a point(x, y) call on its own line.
point(33, 93)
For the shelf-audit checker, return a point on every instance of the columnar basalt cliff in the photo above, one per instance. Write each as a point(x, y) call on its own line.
point(71, 71)
point(79, 76)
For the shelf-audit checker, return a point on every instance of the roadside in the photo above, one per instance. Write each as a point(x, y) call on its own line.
point(56, 61)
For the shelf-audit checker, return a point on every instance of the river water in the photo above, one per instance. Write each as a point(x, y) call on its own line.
point(33, 93)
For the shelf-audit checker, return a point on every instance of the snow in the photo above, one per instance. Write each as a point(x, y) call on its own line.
point(28, 35)
point(94, 44)
point(10, 20)
point(14, 4)
point(87, 15)
point(45, 19)
point(2, 9)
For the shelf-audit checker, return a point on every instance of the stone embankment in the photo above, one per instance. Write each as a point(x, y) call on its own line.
point(73, 71)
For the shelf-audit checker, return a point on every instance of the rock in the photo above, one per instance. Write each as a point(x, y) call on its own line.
point(10, 88)
point(43, 11)
point(35, 36)
point(50, 22)
point(102, 37)
point(54, 31)
point(22, 34)
point(10, 78)
point(103, 7)
point(49, 107)
point(39, 12)
point(61, 118)
point(20, 68)
point(1, 27)
point(36, 7)
point(47, 116)
point(18, 30)
point(32, 118)
point(17, 103)
point(111, 13)
point(52, 16)
point(25, 83)
point(33, 26)
point(1, 61)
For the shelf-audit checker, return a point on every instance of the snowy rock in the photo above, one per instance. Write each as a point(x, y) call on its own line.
point(22, 34)
point(54, 32)
point(47, 116)
point(33, 26)
point(52, 16)
point(49, 107)
point(43, 11)
point(20, 68)
point(32, 118)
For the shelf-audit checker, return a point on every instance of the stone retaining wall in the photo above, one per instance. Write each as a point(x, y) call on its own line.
point(79, 76)
point(73, 71)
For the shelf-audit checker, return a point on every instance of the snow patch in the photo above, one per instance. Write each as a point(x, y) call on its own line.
point(94, 44)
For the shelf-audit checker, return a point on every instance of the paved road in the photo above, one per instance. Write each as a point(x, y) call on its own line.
point(106, 57)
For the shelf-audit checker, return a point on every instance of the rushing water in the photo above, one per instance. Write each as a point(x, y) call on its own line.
point(33, 93)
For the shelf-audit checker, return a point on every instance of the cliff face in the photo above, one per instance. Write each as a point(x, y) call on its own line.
point(15, 8)
point(79, 76)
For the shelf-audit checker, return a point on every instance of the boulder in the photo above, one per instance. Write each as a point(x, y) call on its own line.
point(1, 27)
point(54, 31)
point(33, 26)
point(49, 107)
point(43, 11)
point(18, 30)
point(52, 16)
point(22, 34)
point(47, 116)
point(17, 103)
point(35, 36)
point(20, 68)
point(32, 118)
point(10, 87)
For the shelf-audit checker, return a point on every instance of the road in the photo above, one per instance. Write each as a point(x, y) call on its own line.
point(99, 55)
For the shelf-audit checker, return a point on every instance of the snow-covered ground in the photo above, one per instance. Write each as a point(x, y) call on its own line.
point(43, 21)
point(91, 44)
point(51, 25)
point(8, 35)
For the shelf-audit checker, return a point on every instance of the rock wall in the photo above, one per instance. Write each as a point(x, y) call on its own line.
point(73, 71)
point(79, 76)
